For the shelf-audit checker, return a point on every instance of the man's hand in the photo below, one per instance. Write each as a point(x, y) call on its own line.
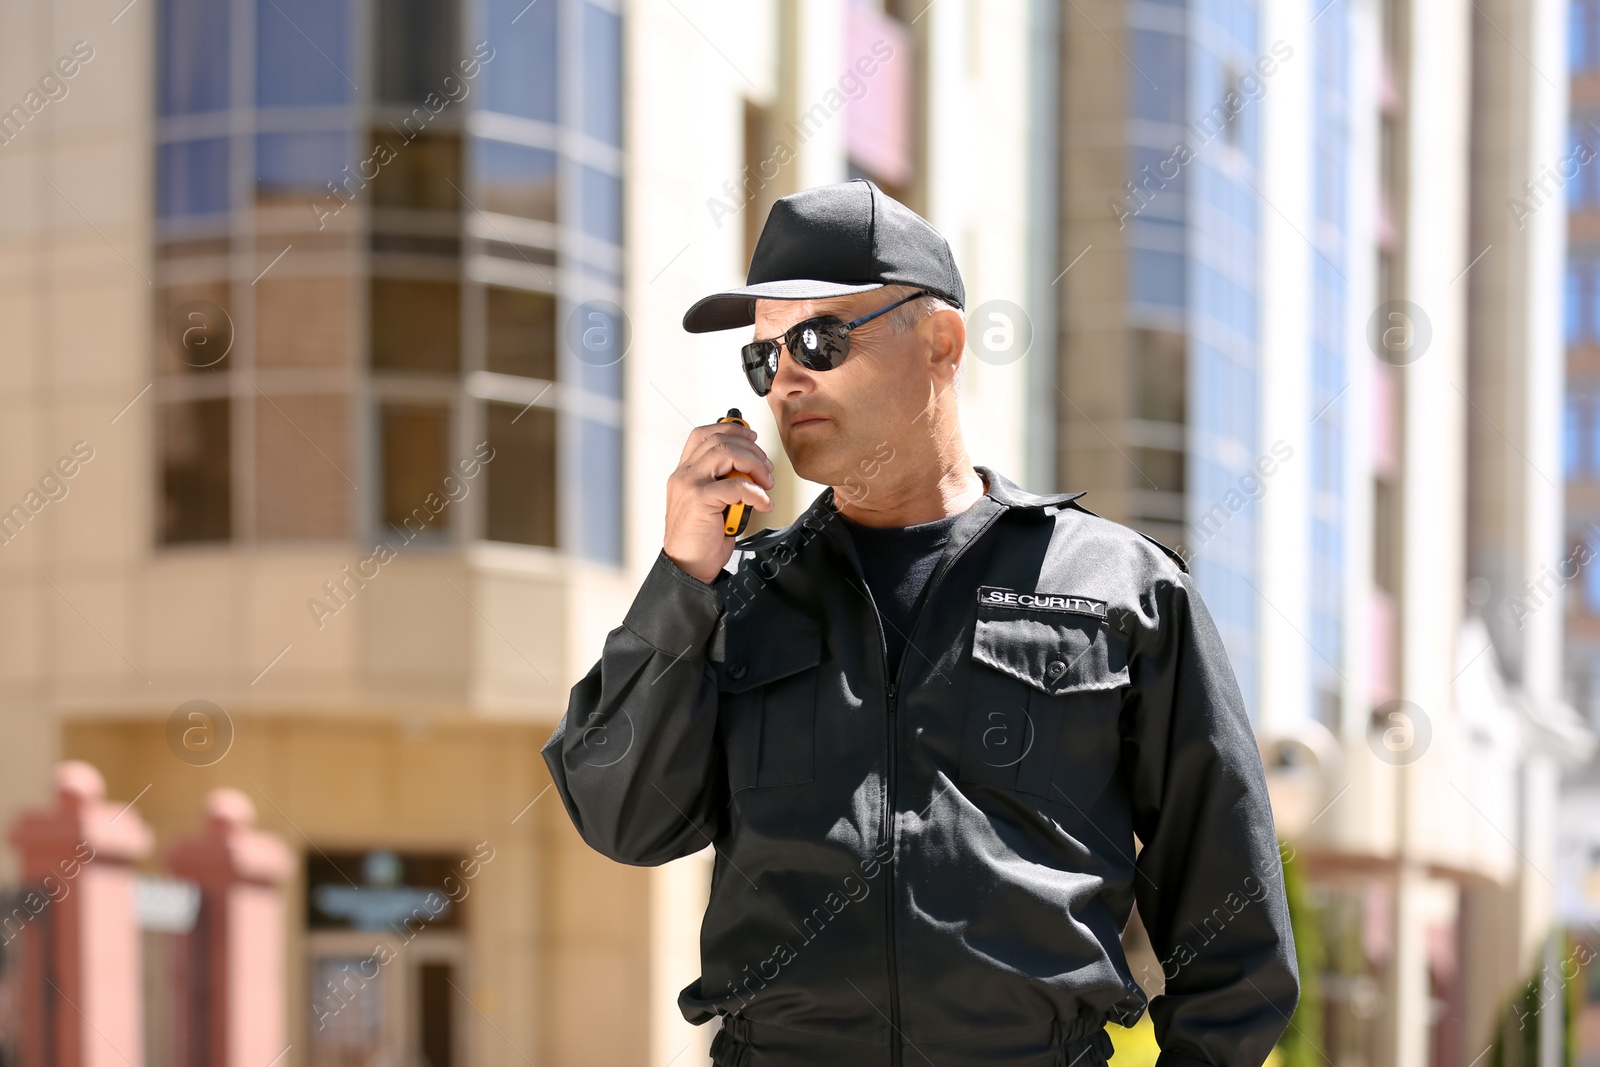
point(698, 491)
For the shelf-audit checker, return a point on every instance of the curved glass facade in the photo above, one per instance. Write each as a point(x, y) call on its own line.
point(407, 233)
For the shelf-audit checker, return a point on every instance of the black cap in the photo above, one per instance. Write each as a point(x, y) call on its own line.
point(834, 240)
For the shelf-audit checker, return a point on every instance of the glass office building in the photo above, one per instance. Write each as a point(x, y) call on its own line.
point(1330, 375)
point(389, 245)
point(1581, 430)
point(1192, 309)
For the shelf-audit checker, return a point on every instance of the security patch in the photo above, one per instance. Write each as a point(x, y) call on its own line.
point(994, 596)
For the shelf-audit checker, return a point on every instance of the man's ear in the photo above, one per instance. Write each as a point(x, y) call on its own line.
point(946, 338)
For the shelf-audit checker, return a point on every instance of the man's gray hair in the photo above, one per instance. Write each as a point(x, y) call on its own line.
point(904, 318)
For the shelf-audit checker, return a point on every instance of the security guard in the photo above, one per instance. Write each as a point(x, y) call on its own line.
point(923, 725)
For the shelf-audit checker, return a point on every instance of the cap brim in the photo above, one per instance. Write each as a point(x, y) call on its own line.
point(737, 307)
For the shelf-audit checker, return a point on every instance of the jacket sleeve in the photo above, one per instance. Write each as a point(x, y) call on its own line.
point(1209, 879)
point(635, 757)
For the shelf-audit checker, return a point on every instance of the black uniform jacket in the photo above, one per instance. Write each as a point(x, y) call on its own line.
point(937, 868)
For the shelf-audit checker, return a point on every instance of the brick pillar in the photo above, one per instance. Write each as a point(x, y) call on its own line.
point(241, 872)
point(80, 988)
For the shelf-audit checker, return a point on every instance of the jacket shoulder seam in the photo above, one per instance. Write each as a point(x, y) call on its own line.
point(1171, 553)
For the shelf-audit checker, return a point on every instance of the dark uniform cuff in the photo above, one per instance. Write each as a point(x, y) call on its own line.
point(674, 611)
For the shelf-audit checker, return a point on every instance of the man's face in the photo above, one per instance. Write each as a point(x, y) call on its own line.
point(832, 421)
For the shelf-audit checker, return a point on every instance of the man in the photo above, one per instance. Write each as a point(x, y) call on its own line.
point(922, 725)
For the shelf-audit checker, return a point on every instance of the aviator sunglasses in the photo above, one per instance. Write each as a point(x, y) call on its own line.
point(818, 344)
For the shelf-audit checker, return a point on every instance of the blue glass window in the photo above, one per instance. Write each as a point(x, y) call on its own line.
point(1247, 29)
point(1589, 429)
point(1577, 191)
point(295, 162)
point(602, 205)
point(515, 180)
point(193, 178)
point(1586, 309)
point(1158, 277)
point(302, 52)
point(1573, 304)
point(602, 380)
point(1589, 300)
point(1582, 40)
point(1591, 581)
point(1575, 48)
point(1584, 190)
point(193, 56)
point(602, 75)
point(599, 491)
point(1161, 183)
point(1583, 300)
point(1572, 437)
point(596, 337)
point(521, 79)
point(1158, 75)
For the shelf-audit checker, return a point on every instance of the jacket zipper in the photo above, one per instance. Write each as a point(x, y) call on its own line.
point(892, 695)
point(888, 835)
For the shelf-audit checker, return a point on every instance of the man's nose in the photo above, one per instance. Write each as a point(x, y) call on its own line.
point(791, 376)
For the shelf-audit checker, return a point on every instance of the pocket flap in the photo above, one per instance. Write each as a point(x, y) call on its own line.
point(757, 656)
point(1058, 655)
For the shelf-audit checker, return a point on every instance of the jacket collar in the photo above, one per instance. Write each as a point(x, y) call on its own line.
point(1007, 492)
point(1001, 494)
point(997, 487)
point(998, 490)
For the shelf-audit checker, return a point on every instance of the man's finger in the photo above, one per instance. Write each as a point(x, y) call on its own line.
point(724, 454)
point(701, 436)
point(725, 491)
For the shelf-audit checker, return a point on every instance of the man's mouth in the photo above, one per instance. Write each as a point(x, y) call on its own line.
point(806, 419)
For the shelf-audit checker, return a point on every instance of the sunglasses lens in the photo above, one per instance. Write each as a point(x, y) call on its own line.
point(816, 344)
point(761, 365)
point(819, 344)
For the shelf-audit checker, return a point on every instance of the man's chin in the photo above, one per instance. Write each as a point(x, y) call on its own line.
point(823, 462)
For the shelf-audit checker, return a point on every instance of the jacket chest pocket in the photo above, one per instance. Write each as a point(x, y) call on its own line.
point(1043, 706)
point(767, 710)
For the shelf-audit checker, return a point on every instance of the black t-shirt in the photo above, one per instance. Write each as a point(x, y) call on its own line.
point(897, 562)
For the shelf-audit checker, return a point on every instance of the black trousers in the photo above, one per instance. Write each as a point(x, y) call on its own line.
point(742, 1043)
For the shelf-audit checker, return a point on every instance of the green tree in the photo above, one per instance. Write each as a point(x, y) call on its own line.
point(1516, 1042)
point(1301, 1044)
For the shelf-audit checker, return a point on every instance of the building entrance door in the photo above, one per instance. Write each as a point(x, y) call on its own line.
point(378, 1000)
